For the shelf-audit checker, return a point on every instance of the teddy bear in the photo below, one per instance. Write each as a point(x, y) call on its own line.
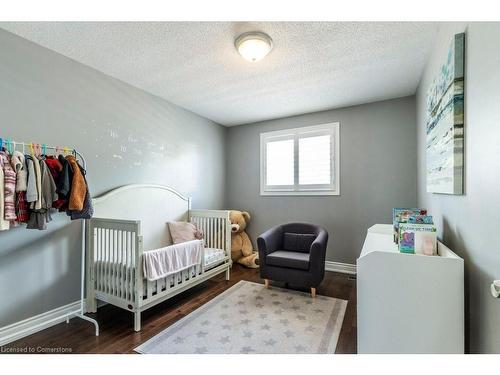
point(241, 246)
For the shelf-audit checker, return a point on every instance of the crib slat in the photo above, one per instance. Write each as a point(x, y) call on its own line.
point(133, 266)
point(99, 265)
point(105, 249)
point(108, 249)
point(97, 254)
point(125, 249)
point(113, 261)
point(121, 256)
point(119, 263)
point(103, 259)
point(130, 237)
point(110, 260)
point(219, 234)
point(212, 232)
point(124, 265)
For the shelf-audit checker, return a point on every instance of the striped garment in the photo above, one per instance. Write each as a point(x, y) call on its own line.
point(9, 176)
point(22, 211)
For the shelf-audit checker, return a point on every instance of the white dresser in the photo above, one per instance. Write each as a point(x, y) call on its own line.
point(408, 303)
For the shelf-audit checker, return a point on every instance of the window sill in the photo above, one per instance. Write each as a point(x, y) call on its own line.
point(298, 193)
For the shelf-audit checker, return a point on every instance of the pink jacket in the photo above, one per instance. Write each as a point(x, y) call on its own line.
point(9, 176)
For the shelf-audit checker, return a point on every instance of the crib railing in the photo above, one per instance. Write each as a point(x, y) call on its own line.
point(216, 226)
point(115, 269)
point(115, 249)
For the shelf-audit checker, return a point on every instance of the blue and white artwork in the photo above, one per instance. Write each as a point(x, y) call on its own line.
point(445, 123)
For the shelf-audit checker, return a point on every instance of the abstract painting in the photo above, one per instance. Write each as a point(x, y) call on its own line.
point(445, 123)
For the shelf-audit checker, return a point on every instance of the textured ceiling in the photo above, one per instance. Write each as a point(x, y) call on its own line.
point(313, 66)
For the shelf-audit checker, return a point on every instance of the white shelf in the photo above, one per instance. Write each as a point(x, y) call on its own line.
point(408, 303)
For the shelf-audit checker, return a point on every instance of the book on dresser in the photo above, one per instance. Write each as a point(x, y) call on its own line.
point(401, 215)
point(417, 239)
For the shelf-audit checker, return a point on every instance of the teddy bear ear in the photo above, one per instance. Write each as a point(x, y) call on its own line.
point(246, 215)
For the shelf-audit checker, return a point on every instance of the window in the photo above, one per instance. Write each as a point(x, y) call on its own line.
point(301, 161)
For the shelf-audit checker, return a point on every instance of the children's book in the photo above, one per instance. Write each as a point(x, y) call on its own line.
point(401, 215)
point(417, 239)
point(420, 219)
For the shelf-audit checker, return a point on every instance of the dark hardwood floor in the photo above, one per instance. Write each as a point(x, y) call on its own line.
point(118, 336)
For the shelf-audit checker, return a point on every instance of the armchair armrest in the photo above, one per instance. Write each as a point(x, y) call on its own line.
point(270, 241)
point(318, 250)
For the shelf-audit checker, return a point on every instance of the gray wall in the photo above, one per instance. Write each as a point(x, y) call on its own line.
point(468, 224)
point(127, 136)
point(377, 173)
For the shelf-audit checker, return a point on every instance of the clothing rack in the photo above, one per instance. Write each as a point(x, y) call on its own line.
point(37, 147)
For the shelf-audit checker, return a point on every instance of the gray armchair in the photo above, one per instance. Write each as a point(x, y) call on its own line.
point(293, 253)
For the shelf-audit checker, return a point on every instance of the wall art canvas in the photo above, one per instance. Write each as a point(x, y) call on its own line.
point(445, 123)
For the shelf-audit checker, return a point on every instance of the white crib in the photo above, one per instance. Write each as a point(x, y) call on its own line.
point(133, 219)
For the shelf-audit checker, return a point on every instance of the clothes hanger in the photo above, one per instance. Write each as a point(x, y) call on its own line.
point(8, 146)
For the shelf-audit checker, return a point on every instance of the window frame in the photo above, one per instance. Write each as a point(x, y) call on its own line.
point(332, 129)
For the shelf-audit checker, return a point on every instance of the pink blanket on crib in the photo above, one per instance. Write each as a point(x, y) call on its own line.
point(171, 259)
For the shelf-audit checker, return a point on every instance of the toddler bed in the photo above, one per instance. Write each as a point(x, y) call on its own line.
point(131, 220)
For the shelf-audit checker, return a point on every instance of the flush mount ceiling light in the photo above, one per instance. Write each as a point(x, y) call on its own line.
point(253, 46)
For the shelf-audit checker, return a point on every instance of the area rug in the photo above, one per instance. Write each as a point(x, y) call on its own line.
point(247, 318)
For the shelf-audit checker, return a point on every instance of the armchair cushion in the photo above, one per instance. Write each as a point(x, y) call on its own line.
point(298, 242)
point(288, 259)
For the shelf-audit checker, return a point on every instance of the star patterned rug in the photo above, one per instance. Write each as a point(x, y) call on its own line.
point(248, 318)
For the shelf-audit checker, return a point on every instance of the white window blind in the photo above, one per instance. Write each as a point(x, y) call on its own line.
point(315, 160)
point(280, 162)
point(301, 161)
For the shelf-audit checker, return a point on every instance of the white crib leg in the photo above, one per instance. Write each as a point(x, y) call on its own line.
point(228, 274)
point(137, 321)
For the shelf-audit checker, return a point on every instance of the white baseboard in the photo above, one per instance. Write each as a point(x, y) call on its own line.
point(37, 323)
point(340, 267)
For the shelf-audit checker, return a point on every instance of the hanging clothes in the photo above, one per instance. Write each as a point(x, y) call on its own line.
point(32, 185)
point(4, 224)
point(49, 195)
point(31, 190)
point(9, 186)
point(88, 210)
point(19, 166)
point(64, 184)
point(40, 217)
point(38, 178)
point(22, 210)
point(56, 169)
point(78, 186)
